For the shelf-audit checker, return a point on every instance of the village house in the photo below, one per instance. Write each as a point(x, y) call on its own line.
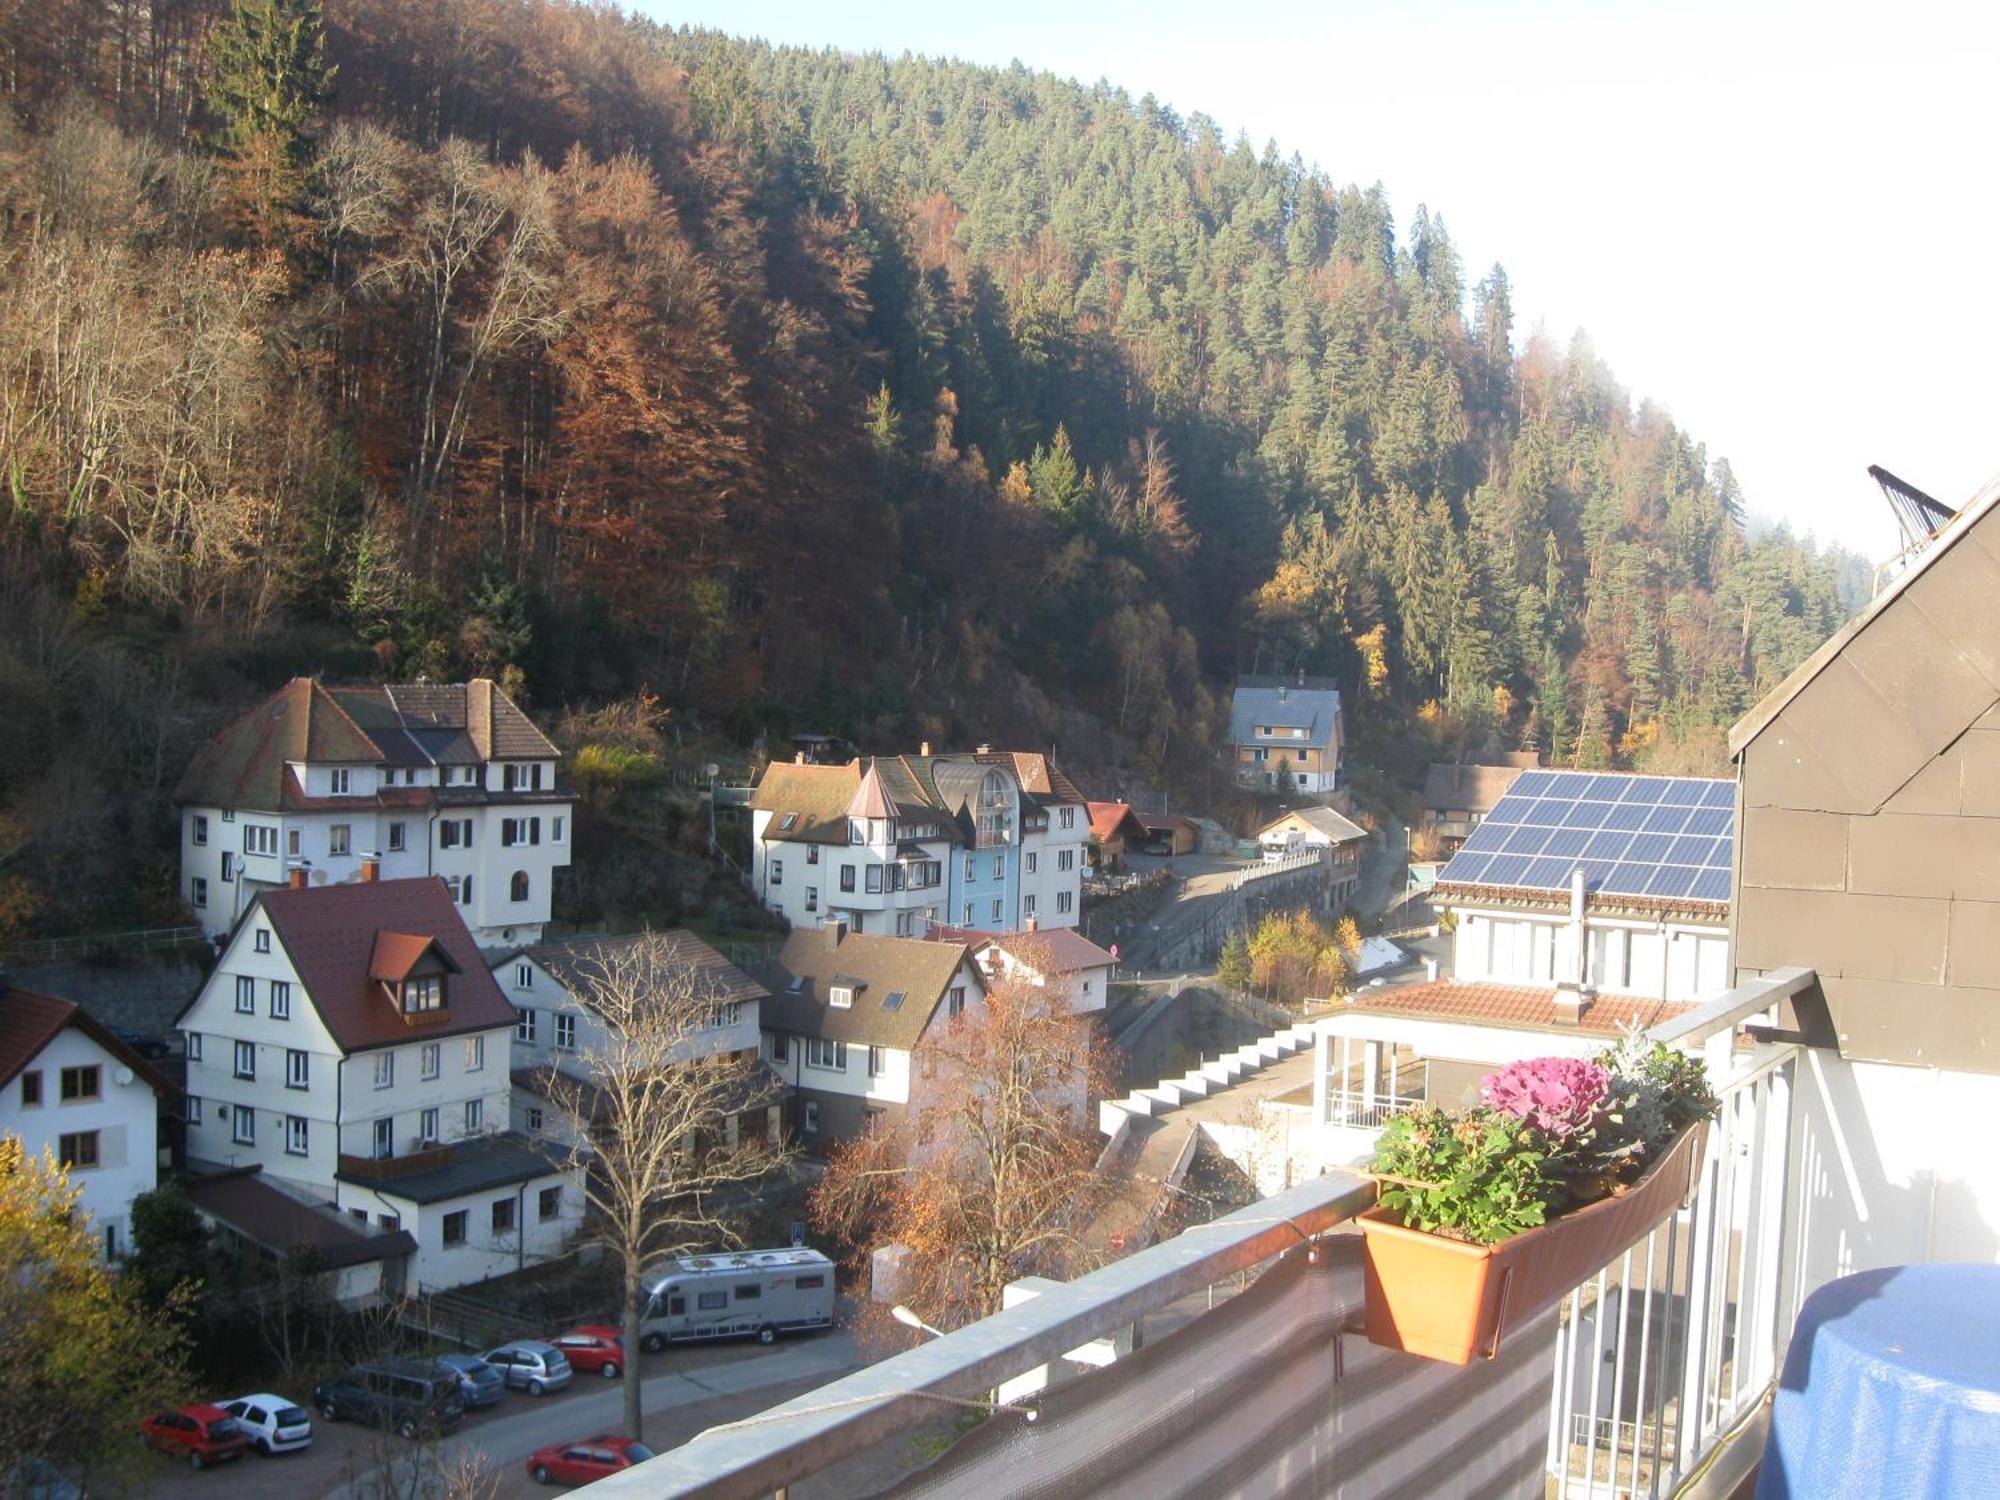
point(1339, 838)
point(442, 779)
point(1285, 734)
point(847, 1020)
point(351, 1041)
point(556, 1028)
point(69, 1088)
point(1458, 797)
point(1059, 958)
point(1117, 829)
point(901, 844)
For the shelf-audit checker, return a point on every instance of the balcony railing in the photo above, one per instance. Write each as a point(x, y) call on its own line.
point(1657, 1359)
point(1366, 1111)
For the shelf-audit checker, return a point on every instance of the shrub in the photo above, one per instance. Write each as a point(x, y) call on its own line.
point(1476, 1175)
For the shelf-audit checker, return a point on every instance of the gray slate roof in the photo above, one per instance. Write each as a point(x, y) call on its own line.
point(1287, 703)
point(477, 1165)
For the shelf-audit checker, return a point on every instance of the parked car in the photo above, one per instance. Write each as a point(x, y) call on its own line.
point(38, 1479)
point(273, 1424)
point(591, 1459)
point(409, 1396)
point(594, 1349)
point(200, 1433)
point(530, 1365)
point(479, 1384)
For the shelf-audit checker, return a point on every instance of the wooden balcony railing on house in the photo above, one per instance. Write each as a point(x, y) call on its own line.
point(387, 1168)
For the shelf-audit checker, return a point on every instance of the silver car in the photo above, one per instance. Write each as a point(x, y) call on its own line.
point(530, 1365)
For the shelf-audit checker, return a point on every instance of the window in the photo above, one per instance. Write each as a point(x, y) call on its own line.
point(260, 838)
point(459, 888)
point(295, 1135)
point(555, 830)
point(198, 830)
point(778, 873)
point(398, 839)
point(517, 888)
point(337, 838)
point(31, 1088)
point(809, 1117)
point(455, 833)
point(781, 1047)
point(503, 1215)
point(80, 1083)
point(298, 1069)
point(749, 1291)
point(428, 1059)
point(385, 1070)
point(422, 993)
point(454, 1227)
point(874, 880)
point(968, 914)
point(533, 1116)
point(548, 1204)
point(1066, 859)
point(1030, 859)
point(996, 908)
point(1065, 900)
point(191, 1111)
point(293, 845)
point(229, 815)
point(524, 1026)
point(390, 1222)
point(228, 868)
point(971, 862)
point(198, 891)
point(847, 877)
point(475, 1053)
point(999, 866)
point(524, 977)
point(711, 1301)
point(246, 995)
point(812, 898)
point(78, 1151)
point(281, 1000)
point(956, 1005)
point(243, 1125)
point(427, 1126)
point(821, 1053)
point(343, 781)
point(246, 1060)
point(565, 1032)
point(475, 1115)
point(812, 854)
point(878, 1062)
point(520, 831)
point(193, 1045)
point(1067, 817)
point(1027, 906)
point(385, 1138)
point(260, 940)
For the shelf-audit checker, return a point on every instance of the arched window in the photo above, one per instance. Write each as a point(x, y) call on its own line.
point(518, 890)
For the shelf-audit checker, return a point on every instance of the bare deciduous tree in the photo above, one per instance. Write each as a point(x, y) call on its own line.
point(990, 1173)
point(652, 1109)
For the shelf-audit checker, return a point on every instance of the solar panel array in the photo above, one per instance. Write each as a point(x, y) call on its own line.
point(1666, 837)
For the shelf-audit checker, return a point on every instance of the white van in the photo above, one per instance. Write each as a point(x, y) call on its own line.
point(753, 1293)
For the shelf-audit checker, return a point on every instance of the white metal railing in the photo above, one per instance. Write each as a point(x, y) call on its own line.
point(1366, 1111)
point(1667, 1349)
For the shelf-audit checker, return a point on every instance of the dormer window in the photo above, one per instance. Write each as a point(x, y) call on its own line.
point(422, 993)
point(841, 996)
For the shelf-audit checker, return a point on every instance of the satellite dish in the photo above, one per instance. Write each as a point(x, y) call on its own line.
point(319, 877)
point(123, 1075)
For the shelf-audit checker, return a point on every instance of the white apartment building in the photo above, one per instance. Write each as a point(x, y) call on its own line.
point(71, 1089)
point(902, 845)
point(442, 779)
point(847, 1019)
point(556, 1028)
point(351, 1041)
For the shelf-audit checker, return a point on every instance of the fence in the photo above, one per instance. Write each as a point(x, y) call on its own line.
point(100, 944)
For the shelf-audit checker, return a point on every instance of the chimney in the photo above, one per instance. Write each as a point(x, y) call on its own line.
point(295, 875)
point(1034, 923)
point(798, 757)
point(985, 748)
point(1571, 1002)
point(371, 868)
point(837, 926)
point(924, 748)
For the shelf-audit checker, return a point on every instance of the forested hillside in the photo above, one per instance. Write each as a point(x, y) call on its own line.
point(800, 389)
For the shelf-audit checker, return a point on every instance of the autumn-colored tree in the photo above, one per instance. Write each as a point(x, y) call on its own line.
point(652, 1113)
point(989, 1173)
point(81, 1360)
point(1293, 955)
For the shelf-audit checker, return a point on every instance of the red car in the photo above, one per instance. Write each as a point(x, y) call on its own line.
point(201, 1434)
point(581, 1463)
point(594, 1349)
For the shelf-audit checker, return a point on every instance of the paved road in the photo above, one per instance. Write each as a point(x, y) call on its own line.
point(1203, 882)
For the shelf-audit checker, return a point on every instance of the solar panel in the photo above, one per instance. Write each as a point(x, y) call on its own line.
point(1668, 837)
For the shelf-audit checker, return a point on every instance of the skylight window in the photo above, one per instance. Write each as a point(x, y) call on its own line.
point(788, 822)
point(893, 1001)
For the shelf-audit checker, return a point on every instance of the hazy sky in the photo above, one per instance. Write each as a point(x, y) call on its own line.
point(1776, 220)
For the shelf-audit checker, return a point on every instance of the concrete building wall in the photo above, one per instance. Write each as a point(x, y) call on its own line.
point(482, 1252)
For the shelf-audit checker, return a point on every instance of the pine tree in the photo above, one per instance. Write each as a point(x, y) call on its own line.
point(269, 76)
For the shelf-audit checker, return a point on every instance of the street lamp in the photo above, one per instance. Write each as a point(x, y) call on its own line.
point(910, 1320)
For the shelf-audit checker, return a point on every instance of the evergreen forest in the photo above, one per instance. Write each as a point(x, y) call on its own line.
point(780, 390)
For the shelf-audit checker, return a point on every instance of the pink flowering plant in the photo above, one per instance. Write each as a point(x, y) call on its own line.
point(1549, 1134)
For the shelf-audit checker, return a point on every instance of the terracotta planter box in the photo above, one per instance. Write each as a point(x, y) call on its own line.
point(1447, 1300)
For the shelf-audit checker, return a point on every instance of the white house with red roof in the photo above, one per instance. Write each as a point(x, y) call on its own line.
point(352, 1042)
point(69, 1088)
point(1059, 958)
point(444, 779)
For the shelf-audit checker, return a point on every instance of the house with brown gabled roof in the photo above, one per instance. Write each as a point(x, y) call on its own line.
point(900, 844)
point(1058, 958)
point(846, 1020)
point(351, 1042)
point(70, 1088)
point(444, 779)
point(1457, 797)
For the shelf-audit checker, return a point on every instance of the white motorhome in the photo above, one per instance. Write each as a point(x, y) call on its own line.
point(758, 1293)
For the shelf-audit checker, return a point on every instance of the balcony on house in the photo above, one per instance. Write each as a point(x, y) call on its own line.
point(1228, 1359)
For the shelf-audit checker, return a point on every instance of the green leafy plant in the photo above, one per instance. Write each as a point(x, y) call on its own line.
point(1477, 1175)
